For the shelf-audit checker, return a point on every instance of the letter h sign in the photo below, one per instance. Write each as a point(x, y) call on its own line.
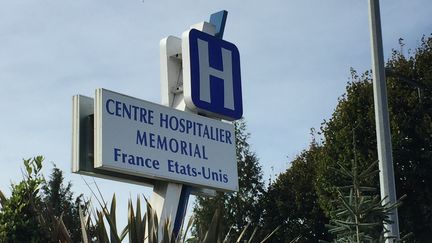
point(211, 75)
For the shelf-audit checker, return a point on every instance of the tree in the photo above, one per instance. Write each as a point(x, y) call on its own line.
point(409, 86)
point(34, 215)
point(204, 209)
point(292, 202)
point(359, 213)
point(59, 201)
point(238, 208)
point(20, 218)
point(353, 114)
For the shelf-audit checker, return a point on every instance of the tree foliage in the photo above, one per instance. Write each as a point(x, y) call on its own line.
point(409, 85)
point(40, 210)
point(359, 211)
point(238, 208)
point(292, 202)
point(410, 88)
point(20, 220)
point(353, 114)
point(59, 200)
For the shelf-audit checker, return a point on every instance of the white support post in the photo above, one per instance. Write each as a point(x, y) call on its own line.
point(166, 195)
point(165, 200)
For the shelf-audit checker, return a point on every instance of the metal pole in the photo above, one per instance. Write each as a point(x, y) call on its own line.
point(170, 200)
point(385, 157)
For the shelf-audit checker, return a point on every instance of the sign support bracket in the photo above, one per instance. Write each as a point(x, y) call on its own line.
point(170, 200)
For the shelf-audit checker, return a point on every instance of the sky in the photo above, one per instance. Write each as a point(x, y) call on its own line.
point(295, 55)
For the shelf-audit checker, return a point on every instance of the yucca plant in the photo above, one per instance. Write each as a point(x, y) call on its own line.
point(98, 230)
point(145, 228)
point(25, 208)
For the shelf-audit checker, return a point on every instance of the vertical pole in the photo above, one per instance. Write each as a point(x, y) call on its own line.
point(181, 209)
point(170, 200)
point(166, 195)
point(385, 157)
point(165, 201)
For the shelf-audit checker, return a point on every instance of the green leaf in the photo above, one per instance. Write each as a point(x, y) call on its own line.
point(270, 235)
point(243, 233)
point(131, 223)
point(251, 238)
point(189, 225)
point(28, 167)
point(212, 234)
point(85, 238)
point(3, 199)
point(113, 224)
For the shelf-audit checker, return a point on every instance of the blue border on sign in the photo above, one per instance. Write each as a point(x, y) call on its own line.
point(216, 106)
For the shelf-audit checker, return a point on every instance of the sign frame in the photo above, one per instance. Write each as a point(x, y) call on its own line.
point(215, 105)
point(114, 133)
point(83, 149)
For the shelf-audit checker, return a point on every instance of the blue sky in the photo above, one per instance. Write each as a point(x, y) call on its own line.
point(295, 58)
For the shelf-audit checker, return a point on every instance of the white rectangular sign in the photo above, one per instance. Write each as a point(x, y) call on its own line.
point(145, 139)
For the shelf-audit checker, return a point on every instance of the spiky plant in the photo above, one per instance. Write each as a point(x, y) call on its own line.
point(144, 228)
point(360, 213)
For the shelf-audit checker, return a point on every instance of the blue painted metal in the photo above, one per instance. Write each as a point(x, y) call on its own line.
point(181, 209)
point(219, 19)
point(216, 106)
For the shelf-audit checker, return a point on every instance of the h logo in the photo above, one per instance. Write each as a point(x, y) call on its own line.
point(224, 75)
point(211, 76)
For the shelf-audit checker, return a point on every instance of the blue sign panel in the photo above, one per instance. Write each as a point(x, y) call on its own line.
point(215, 80)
